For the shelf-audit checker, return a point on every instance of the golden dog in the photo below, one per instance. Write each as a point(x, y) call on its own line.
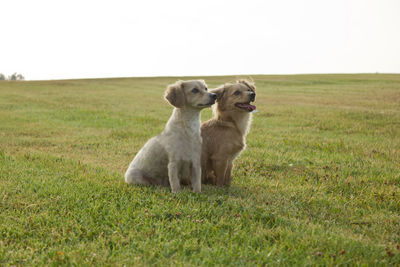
point(224, 136)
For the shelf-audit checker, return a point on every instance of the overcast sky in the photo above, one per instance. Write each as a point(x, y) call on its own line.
point(49, 39)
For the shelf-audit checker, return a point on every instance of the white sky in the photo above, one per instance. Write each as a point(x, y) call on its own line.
point(53, 39)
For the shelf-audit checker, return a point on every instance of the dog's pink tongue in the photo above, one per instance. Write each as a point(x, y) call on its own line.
point(249, 107)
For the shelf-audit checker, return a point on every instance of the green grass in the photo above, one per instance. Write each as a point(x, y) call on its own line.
point(319, 183)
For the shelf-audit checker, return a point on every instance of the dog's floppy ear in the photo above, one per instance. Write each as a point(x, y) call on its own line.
point(220, 91)
point(174, 94)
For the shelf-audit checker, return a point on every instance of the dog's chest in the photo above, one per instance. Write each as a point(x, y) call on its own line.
point(191, 145)
point(184, 144)
point(192, 133)
point(193, 127)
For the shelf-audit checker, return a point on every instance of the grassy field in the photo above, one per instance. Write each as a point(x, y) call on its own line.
point(319, 183)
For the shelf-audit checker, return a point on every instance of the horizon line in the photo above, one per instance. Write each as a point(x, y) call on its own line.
point(227, 75)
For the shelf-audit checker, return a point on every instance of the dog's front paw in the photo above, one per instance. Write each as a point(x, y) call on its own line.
point(197, 189)
point(175, 190)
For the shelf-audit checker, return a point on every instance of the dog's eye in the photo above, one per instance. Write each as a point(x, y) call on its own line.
point(195, 91)
point(205, 89)
point(236, 93)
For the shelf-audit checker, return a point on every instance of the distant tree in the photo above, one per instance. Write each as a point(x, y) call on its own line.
point(20, 77)
point(13, 77)
point(16, 77)
point(2, 77)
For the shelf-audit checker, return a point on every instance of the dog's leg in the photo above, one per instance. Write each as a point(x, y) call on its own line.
point(211, 178)
point(196, 177)
point(220, 167)
point(173, 170)
point(228, 174)
point(204, 168)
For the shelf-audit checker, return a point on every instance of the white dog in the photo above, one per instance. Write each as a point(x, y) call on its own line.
point(173, 157)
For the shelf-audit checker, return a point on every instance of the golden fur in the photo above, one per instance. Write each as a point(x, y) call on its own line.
point(224, 136)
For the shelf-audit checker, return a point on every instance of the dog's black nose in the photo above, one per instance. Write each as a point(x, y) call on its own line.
point(213, 96)
point(252, 96)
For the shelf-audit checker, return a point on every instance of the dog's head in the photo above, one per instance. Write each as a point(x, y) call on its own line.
point(189, 94)
point(236, 97)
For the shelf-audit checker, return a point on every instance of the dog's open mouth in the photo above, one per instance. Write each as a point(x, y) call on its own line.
point(246, 106)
